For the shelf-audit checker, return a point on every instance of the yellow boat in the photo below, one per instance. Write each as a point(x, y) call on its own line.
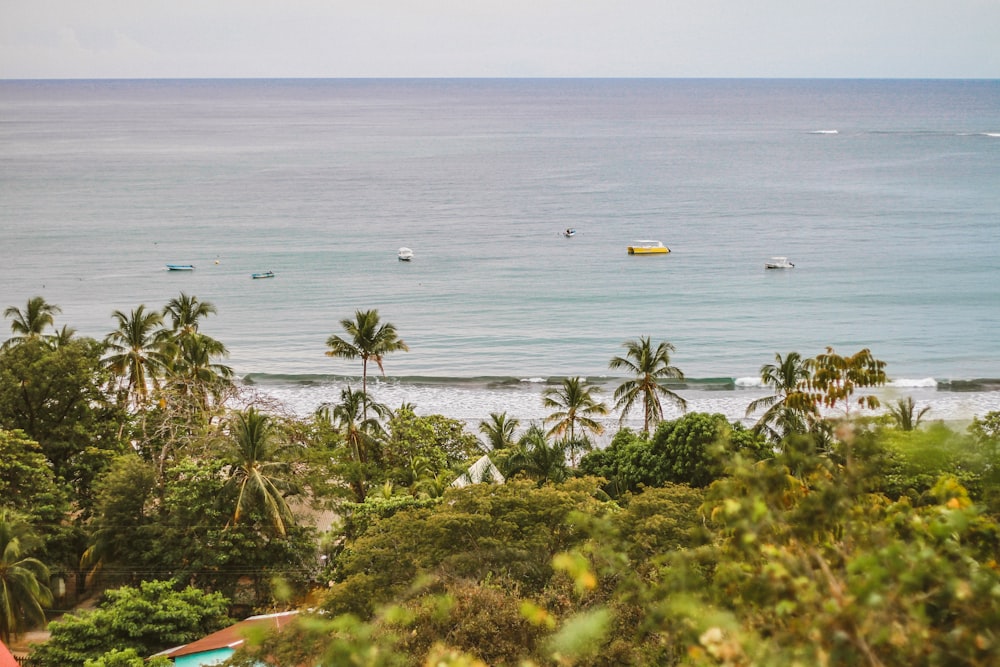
point(647, 248)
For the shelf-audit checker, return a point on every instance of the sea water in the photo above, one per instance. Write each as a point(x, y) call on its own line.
point(884, 194)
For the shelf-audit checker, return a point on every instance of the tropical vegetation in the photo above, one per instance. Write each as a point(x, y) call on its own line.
point(136, 470)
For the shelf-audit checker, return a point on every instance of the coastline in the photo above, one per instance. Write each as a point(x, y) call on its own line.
point(473, 399)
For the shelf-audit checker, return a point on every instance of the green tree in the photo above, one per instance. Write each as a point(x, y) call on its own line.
point(499, 430)
point(137, 353)
point(127, 658)
point(368, 339)
point(124, 509)
point(651, 368)
point(502, 533)
point(30, 323)
point(985, 432)
point(148, 619)
point(789, 409)
point(812, 569)
point(28, 487)
point(23, 590)
point(56, 397)
point(576, 408)
point(189, 535)
point(258, 473)
point(692, 449)
point(425, 446)
point(611, 462)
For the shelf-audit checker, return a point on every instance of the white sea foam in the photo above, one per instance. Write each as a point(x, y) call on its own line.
point(474, 404)
point(907, 382)
point(824, 132)
point(749, 382)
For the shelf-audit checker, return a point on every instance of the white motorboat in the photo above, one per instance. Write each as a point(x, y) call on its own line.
point(778, 263)
point(405, 254)
point(569, 233)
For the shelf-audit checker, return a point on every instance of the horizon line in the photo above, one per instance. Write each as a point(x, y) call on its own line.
point(501, 78)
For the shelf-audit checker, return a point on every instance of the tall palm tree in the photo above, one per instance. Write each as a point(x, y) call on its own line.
point(362, 435)
point(367, 339)
point(651, 367)
point(499, 430)
point(788, 409)
point(576, 407)
point(257, 474)
point(185, 312)
point(23, 593)
point(137, 352)
point(31, 322)
point(193, 364)
point(905, 415)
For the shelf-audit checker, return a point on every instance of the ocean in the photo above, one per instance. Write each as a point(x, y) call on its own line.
point(885, 194)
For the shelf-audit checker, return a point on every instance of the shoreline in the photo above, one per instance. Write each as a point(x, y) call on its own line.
point(471, 400)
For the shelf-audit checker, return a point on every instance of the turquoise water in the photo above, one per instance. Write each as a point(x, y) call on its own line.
point(883, 193)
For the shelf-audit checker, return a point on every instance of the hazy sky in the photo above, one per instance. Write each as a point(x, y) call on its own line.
point(499, 38)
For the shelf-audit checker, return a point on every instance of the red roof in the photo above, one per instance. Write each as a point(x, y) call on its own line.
point(230, 637)
point(6, 659)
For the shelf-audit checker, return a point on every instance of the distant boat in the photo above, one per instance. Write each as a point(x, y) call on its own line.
point(645, 247)
point(569, 233)
point(180, 267)
point(779, 263)
point(405, 254)
point(265, 274)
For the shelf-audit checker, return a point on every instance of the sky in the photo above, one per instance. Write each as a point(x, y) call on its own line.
point(67, 39)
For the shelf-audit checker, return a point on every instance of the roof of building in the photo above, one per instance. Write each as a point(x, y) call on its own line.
point(482, 470)
point(6, 657)
point(231, 637)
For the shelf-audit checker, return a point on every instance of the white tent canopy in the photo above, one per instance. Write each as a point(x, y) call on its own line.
point(482, 470)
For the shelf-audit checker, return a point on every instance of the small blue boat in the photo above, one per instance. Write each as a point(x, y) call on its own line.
point(180, 267)
point(265, 274)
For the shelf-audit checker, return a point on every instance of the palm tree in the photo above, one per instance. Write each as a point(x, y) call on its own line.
point(61, 337)
point(537, 458)
point(433, 486)
point(575, 406)
point(788, 409)
point(23, 595)
point(362, 435)
point(650, 368)
point(193, 367)
point(499, 430)
point(905, 415)
point(31, 322)
point(368, 339)
point(185, 311)
point(137, 350)
point(257, 474)
point(192, 364)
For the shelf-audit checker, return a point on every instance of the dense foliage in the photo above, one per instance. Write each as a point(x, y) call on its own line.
point(814, 537)
point(150, 618)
